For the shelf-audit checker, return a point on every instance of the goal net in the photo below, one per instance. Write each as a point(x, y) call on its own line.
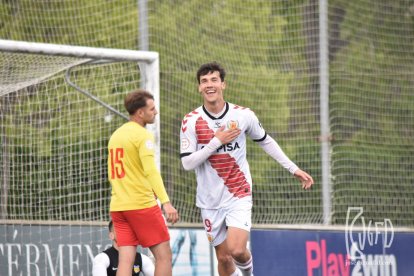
point(56, 115)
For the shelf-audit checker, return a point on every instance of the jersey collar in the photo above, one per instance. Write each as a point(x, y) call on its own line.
point(222, 115)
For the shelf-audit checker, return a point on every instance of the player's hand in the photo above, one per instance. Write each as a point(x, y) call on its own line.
point(226, 136)
point(304, 178)
point(171, 213)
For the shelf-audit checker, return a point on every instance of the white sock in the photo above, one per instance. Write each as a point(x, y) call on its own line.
point(237, 272)
point(245, 268)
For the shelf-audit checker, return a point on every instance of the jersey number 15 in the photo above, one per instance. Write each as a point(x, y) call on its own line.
point(117, 167)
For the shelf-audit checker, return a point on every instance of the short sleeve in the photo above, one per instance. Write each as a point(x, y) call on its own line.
point(255, 129)
point(188, 139)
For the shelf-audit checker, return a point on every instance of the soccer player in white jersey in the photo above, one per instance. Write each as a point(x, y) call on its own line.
point(213, 143)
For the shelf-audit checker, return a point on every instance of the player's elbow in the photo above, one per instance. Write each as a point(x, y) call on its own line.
point(187, 164)
point(187, 167)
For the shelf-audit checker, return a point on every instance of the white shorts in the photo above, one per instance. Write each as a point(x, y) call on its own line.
point(216, 221)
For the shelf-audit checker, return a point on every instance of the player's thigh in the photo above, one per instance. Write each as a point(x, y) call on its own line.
point(125, 235)
point(239, 216)
point(238, 220)
point(148, 225)
point(214, 225)
point(145, 227)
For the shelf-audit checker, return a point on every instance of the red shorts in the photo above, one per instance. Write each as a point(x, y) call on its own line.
point(145, 227)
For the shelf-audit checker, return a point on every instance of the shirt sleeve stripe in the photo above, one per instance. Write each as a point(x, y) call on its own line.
point(185, 154)
point(261, 139)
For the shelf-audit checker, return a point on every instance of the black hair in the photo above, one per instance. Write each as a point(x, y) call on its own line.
point(211, 67)
point(110, 226)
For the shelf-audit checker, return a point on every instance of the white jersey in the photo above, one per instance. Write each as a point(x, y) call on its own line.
point(225, 177)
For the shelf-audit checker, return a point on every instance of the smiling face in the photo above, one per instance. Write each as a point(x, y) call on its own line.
point(211, 88)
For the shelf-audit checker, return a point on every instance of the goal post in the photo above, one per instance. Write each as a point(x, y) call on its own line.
point(150, 71)
point(77, 51)
point(53, 137)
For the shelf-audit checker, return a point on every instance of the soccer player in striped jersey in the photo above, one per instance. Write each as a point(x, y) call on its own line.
point(135, 182)
point(213, 143)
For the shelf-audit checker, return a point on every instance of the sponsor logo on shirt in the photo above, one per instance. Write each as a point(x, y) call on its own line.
point(228, 147)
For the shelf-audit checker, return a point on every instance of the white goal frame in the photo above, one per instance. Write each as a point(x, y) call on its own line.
point(149, 68)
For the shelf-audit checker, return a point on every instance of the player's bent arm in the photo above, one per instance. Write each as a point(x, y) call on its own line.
point(100, 264)
point(154, 178)
point(195, 159)
point(148, 267)
point(272, 148)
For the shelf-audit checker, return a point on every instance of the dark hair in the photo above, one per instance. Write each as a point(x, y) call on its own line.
point(136, 100)
point(110, 226)
point(211, 67)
